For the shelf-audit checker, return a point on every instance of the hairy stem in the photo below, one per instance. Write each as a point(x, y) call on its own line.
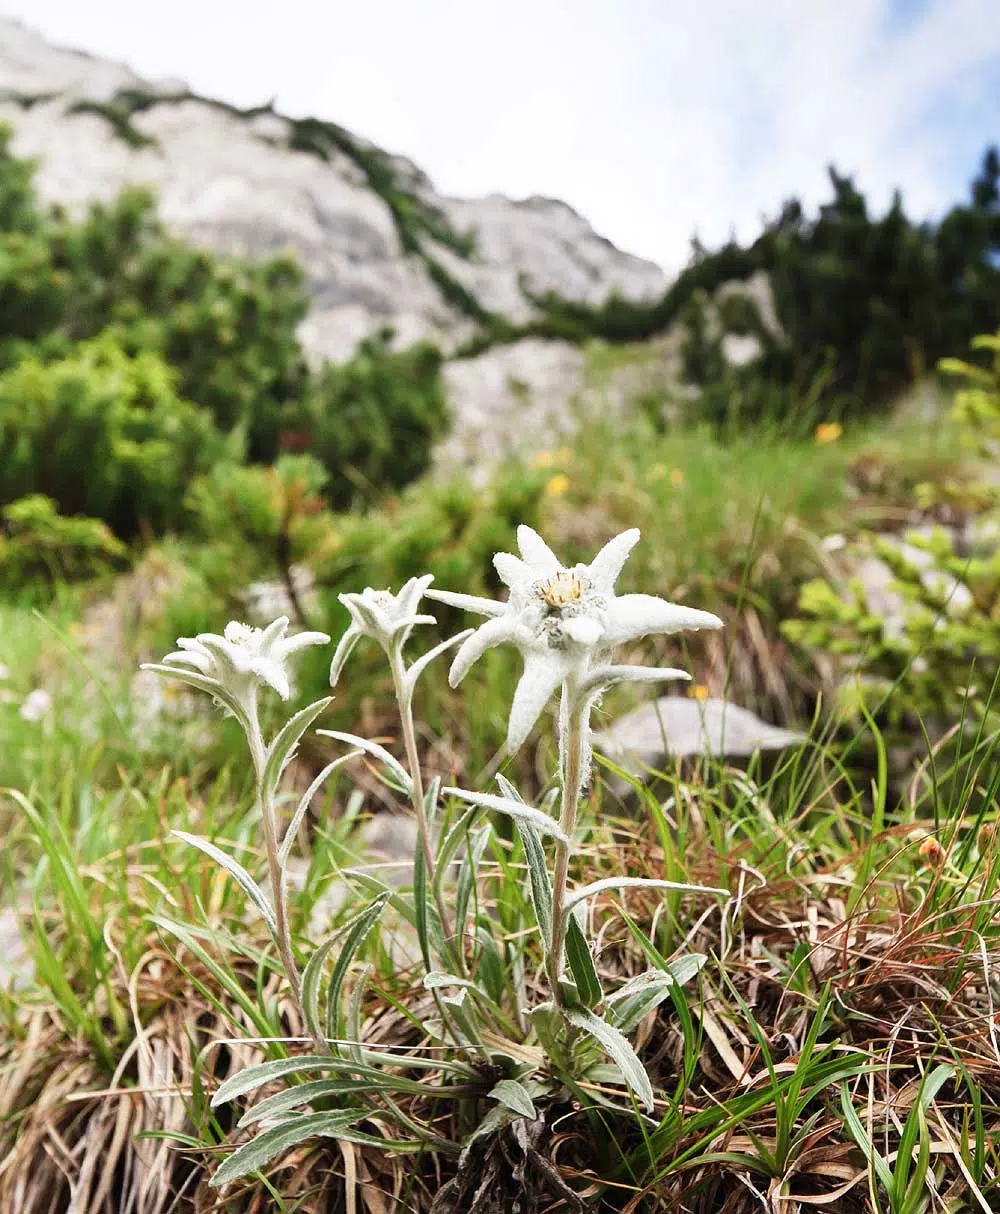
point(573, 763)
point(405, 701)
point(279, 897)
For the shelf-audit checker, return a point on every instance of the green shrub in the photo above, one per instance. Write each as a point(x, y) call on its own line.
point(103, 434)
point(81, 296)
point(942, 652)
point(38, 544)
point(372, 422)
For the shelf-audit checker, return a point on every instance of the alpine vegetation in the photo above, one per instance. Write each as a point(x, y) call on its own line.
point(493, 1034)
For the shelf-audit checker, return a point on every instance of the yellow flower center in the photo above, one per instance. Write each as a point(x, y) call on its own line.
point(564, 588)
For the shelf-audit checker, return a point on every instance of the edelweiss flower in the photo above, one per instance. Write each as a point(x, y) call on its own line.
point(243, 657)
point(563, 621)
point(383, 616)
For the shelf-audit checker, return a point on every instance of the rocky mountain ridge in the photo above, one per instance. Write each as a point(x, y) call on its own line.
point(378, 245)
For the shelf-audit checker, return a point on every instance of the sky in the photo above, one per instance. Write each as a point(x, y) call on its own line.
point(656, 119)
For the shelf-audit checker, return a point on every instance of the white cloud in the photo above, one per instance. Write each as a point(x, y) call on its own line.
point(654, 118)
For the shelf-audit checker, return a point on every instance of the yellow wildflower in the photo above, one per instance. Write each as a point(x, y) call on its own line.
point(828, 432)
point(544, 459)
point(698, 691)
point(677, 477)
point(557, 485)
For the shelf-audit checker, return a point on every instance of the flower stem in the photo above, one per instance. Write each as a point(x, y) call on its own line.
point(573, 766)
point(279, 897)
point(405, 701)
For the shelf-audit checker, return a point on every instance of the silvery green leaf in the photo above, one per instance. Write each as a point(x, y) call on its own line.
point(627, 1006)
point(203, 683)
point(596, 887)
point(514, 1095)
point(296, 1095)
point(283, 746)
point(538, 877)
point(354, 1013)
point(238, 872)
point(373, 749)
point(421, 664)
point(253, 1077)
point(436, 980)
point(607, 676)
point(618, 1050)
point(513, 809)
point(467, 875)
point(683, 969)
point(581, 964)
point(355, 934)
point(303, 806)
point(259, 1151)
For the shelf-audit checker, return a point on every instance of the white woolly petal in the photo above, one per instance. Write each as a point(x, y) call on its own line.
point(343, 651)
point(541, 558)
point(607, 565)
point(274, 675)
point(229, 655)
point(190, 657)
point(300, 640)
point(605, 676)
point(371, 617)
point(583, 629)
point(486, 636)
point(272, 634)
point(543, 673)
point(412, 592)
point(469, 602)
point(638, 615)
point(512, 570)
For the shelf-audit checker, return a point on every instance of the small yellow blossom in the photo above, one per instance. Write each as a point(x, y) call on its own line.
point(557, 485)
point(828, 432)
point(544, 459)
point(677, 477)
point(698, 691)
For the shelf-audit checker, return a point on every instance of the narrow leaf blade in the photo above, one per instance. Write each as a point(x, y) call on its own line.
point(237, 872)
point(618, 1050)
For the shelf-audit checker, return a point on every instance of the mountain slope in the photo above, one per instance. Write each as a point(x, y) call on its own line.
point(379, 246)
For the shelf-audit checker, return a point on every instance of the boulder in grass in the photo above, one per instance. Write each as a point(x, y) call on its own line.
point(675, 727)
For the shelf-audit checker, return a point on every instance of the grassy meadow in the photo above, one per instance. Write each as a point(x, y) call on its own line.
point(829, 1037)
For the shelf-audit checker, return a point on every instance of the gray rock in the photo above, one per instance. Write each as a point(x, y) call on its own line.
point(677, 727)
point(234, 184)
point(16, 968)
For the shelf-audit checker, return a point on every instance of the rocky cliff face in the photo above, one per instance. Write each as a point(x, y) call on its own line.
point(378, 244)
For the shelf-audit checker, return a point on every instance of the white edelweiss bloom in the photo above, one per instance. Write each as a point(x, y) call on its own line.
point(244, 657)
point(563, 621)
point(382, 616)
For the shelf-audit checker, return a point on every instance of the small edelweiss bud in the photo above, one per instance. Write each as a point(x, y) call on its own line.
point(381, 616)
point(240, 661)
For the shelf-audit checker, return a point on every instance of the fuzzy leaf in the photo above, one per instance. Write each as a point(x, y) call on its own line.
point(596, 887)
point(238, 872)
point(514, 1095)
point(283, 746)
point(357, 932)
point(617, 1049)
point(513, 809)
point(259, 1151)
point(303, 805)
point(373, 749)
point(581, 964)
